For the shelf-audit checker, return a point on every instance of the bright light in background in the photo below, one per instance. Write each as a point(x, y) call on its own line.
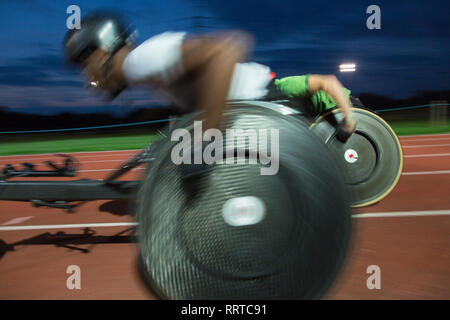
point(347, 67)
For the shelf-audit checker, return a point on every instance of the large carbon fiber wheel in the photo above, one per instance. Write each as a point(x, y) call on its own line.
point(371, 159)
point(240, 234)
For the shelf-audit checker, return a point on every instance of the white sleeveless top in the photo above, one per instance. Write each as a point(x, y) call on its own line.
point(160, 58)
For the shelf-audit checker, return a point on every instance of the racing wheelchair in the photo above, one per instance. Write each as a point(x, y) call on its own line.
point(233, 233)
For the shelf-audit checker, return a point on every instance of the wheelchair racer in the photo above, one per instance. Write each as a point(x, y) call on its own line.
point(196, 72)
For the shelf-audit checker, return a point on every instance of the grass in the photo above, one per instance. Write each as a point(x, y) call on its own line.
point(61, 143)
point(74, 143)
point(403, 128)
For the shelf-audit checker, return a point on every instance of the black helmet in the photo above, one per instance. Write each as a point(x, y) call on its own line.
point(100, 30)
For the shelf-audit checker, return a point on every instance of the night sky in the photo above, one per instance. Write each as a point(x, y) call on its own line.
point(408, 55)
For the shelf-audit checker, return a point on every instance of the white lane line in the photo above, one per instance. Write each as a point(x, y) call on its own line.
point(403, 214)
point(115, 160)
point(403, 173)
point(125, 158)
point(16, 221)
point(427, 145)
point(404, 156)
point(433, 139)
point(78, 157)
point(418, 173)
point(80, 152)
point(62, 163)
point(432, 135)
point(132, 224)
point(98, 170)
point(69, 226)
point(426, 155)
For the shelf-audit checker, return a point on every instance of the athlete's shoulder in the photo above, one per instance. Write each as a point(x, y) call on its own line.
point(158, 57)
point(164, 38)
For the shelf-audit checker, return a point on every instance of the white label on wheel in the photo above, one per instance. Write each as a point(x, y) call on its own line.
point(351, 156)
point(243, 211)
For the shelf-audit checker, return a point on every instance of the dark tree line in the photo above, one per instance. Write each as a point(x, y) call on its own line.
point(16, 121)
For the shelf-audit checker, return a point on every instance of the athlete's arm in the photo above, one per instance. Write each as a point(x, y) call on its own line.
point(214, 58)
point(333, 87)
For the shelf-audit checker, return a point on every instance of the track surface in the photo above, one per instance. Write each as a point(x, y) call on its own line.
point(411, 249)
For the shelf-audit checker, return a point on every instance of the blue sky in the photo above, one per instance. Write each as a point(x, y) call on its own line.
point(408, 55)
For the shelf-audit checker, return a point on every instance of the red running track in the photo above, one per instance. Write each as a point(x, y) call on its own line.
point(412, 250)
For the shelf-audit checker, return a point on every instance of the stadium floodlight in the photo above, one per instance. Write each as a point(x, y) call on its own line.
point(347, 67)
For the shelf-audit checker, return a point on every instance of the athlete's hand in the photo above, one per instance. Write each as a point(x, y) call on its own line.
point(345, 129)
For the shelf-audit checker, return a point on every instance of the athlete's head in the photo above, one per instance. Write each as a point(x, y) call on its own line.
point(98, 46)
